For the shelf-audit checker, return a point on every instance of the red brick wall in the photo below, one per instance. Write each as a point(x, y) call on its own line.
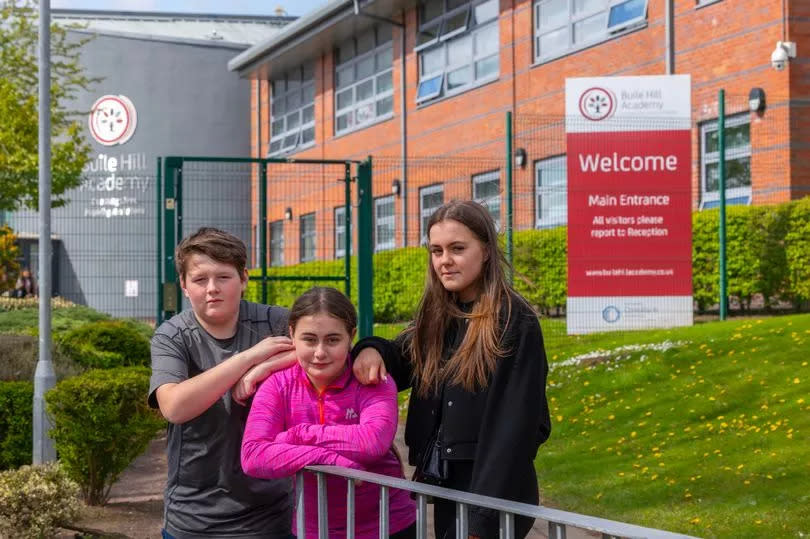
point(723, 45)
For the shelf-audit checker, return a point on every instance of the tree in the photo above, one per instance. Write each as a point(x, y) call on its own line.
point(19, 158)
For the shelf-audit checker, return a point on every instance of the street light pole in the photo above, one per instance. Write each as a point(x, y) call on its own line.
point(44, 378)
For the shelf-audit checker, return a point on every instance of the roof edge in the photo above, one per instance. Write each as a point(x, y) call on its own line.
point(290, 32)
point(172, 14)
point(163, 39)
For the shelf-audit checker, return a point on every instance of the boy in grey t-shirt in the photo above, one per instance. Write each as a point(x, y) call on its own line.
point(197, 357)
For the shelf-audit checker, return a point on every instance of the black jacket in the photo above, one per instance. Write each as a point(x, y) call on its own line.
point(499, 428)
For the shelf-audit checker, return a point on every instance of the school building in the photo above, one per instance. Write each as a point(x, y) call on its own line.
point(424, 88)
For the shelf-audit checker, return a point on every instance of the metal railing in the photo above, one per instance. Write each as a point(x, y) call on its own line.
point(557, 520)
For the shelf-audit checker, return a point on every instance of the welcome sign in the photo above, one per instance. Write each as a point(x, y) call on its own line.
point(629, 203)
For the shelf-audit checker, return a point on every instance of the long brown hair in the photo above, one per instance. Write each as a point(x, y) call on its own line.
point(477, 356)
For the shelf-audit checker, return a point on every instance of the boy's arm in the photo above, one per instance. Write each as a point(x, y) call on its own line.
point(187, 398)
point(364, 442)
point(263, 456)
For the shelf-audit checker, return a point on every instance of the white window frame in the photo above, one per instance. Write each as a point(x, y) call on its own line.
point(436, 82)
point(734, 195)
point(276, 242)
point(304, 234)
point(352, 111)
point(487, 202)
point(340, 230)
point(290, 139)
point(385, 220)
point(425, 213)
point(573, 19)
point(556, 163)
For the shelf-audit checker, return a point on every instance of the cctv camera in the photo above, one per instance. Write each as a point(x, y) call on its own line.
point(779, 57)
point(784, 51)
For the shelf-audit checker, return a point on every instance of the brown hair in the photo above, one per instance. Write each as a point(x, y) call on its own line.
point(324, 299)
point(477, 356)
point(214, 243)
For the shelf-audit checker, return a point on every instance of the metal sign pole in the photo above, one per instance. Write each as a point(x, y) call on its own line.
point(44, 378)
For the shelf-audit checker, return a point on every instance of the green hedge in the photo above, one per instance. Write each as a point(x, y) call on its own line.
point(768, 257)
point(16, 427)
point(106, 344)
point(101, 423)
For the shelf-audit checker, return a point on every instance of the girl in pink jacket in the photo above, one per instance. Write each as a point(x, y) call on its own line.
point(316, 412)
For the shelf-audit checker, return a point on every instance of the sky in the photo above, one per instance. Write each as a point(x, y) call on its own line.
point(238, 7)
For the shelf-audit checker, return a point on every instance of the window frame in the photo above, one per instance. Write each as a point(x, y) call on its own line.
point(734, 195)
point(425, 213)
point(278, 240)
point(552, 162)
point(573, 19)
point(379, 201)
point(444, 41)
point(485, 177)
point(340, 229)
point(303, 234)
point(381, 46)
point(279, 112)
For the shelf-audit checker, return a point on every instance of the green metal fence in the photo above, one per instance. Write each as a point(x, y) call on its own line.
point(308, 200)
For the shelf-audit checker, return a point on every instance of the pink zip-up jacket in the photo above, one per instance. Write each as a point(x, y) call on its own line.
point(291, 425)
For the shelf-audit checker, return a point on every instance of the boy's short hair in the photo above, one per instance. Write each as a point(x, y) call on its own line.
point(214, 243)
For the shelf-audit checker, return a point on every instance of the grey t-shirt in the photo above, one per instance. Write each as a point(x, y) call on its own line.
point(207, 495)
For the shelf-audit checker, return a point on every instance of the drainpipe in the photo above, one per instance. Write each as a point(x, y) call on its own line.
point(669, 24)
point(403, 134)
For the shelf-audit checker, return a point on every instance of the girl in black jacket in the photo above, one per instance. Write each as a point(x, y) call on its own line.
point(475, 361)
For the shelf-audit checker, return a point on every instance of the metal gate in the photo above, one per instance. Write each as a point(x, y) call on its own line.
point(266, 203)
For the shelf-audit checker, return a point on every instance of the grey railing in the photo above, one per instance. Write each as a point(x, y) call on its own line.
point(558, 520)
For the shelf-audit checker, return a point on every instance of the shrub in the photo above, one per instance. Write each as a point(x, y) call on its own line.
point(9, 254)
point(35, 500)
point(106, 344)
point(25, 320)
point(101, 423)
point(540, 260)
point(16, 427)
point(797, 251)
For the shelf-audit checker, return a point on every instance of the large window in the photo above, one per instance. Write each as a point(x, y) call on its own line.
point(384, 223)
point(340, 232)
point(430, 198)
point(738, 162)
point(307, 232)
point(552, 192)
point(292, 112)
point(458, 46)
point(277, 243)
point(487, 191)
point(364, 87)
point(562, 26)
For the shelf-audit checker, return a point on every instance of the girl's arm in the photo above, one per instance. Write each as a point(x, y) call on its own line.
point(266, 458)
point(365, 442)
point(393, 354)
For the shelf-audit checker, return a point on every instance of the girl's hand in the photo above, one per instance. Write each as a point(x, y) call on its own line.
point(369, 368)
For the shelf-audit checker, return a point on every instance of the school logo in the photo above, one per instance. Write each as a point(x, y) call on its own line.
point(351, 414)
point(112, 120)
point(597, 104)
point(611, 314)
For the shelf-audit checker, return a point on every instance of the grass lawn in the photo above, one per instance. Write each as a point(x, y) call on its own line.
point(701, 430)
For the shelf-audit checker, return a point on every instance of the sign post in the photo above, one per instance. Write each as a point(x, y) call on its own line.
point(629, 203)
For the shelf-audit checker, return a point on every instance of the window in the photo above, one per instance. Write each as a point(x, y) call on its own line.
point(292, 113)
point(552, 192)
point(307, 231)
point(430, 198)
point(384, 223)
point(487, 191)
point(458, 46)
point(277, 243)
point(363, 80)
point(562, 26)
point(340, 232)
point(738, 162)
